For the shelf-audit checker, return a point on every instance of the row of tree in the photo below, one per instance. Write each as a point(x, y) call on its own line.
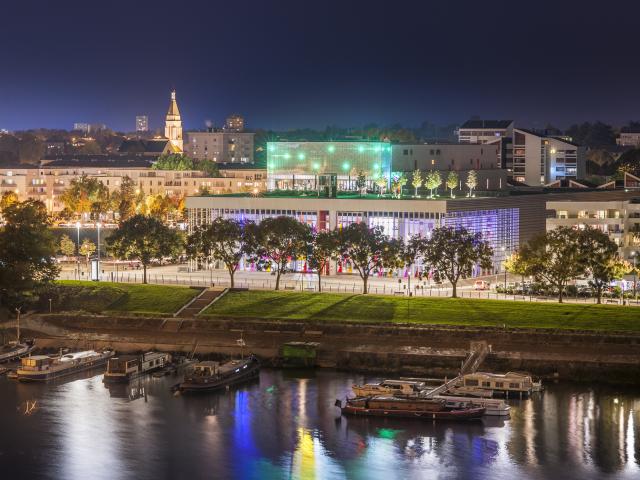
point(448, 253)
point(565, 254)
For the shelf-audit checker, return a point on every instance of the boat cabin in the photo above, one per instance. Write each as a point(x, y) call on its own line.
point(507, 382)
point(206, 369)
point(36, 363)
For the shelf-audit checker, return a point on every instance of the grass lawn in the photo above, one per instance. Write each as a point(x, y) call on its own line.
point(137, 298)
point(437, 311)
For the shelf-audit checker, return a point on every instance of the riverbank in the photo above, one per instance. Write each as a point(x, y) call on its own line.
point(434, 350)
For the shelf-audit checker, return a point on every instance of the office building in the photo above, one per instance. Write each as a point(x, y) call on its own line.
point(142, 123)
point(629, 137)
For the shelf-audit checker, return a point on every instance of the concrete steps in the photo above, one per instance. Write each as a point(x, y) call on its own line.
point(201, 302)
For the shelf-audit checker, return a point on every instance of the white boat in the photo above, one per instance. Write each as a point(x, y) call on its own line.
point(127, 367)
point(40, 368)
point(492, 406)
point(389, 387)
point(504, 383)
point(470, 392)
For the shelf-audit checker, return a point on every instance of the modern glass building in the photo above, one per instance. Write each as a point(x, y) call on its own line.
point(299, 165)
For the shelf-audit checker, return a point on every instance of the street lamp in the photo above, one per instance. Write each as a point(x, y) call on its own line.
point(504, 261)
point(98, 224)
point(635, 296)
point(78, 247)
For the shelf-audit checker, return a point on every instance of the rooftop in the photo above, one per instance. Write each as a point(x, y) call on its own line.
point(486, 124)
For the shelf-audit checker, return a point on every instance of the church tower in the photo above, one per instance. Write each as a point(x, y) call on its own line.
point(173, 125)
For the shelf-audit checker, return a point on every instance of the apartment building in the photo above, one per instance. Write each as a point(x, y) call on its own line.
point(484, 131)
point(47, 182)
point(629, 137)
point(221, 147)
point(620, 219)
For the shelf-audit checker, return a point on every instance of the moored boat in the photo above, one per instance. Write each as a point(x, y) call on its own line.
point(208, 376)
point(509, 384)
point(492, 406)
point(389, 387)
point(415, 408)
point(127, 367)
point(39, 368)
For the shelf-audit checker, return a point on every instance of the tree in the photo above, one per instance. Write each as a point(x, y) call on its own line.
point(144, 238)
point(277, 241)
point(381, 183)
point(599, 258)
point(87, 248)
point(516, 265)
point(417, 180)
point(324, 247)
point(174, 162)
point(124, 199)
point(67, 247)
point(223, 240)
point(361, 182)
point(472, 181)
point(363, 247)
point(452, 181)
point(86, 196)
point(433, 181)
point(27, 251)
point(453, 252)
point(397, 182)
point(554, 258)
point(8, 198)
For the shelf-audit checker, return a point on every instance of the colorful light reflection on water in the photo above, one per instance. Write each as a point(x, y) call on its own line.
point(285, 426)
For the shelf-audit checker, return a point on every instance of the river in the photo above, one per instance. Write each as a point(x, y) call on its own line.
point(286, 426)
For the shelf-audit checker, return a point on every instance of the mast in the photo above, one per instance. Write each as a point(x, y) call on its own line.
point(18, 326)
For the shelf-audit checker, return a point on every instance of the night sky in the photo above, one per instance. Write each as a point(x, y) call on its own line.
point(287, 64)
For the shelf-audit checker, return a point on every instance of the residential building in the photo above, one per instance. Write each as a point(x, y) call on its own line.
point(142, 123)
point(234, 123)
point(540, 160)
point(48, 181)
point(629, 137)
point(221, 147)
point(81, 126)
point(484, 131)
point(620, 219)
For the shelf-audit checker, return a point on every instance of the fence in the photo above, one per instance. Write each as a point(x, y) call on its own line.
point(329, 286)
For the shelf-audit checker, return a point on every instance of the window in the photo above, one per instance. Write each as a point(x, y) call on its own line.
point(471, 383)
point(486, 384)
point(514, 385)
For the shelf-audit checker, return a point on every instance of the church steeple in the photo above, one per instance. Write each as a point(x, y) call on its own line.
point(173, 125)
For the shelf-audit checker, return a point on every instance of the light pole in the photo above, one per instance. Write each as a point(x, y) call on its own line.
point(78, 248)
point(635, 296)
point(504, 266)
point(98, 225)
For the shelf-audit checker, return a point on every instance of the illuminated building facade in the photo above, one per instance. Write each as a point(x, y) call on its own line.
point(299, 165)
point(173, 125)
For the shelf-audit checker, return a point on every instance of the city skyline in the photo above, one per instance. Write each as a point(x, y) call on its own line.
point(350, 66)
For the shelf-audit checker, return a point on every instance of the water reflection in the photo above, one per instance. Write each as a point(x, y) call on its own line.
point(285, 426)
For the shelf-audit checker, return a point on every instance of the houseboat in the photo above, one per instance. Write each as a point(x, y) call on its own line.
point(415, 408)
point(127, 367)
point(13, 350)
point(492, 406)
point(41, 368)
point(208, 376)
point(389, 387)
point(509, 384)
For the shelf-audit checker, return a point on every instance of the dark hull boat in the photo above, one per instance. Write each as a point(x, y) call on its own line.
point(417, 409)
point(210, 376)
point(14, 350)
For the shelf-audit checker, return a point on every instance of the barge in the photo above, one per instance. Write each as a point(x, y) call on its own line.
point(42, 368)
point(125, 368)
point(210, 376)
point(505, 384)
point(389, 387)
point(416, 409)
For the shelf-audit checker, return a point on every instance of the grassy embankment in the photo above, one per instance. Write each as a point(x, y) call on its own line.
point(437, 311)
point(105, 297)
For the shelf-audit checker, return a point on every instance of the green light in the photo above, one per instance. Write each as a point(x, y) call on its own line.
point(388, 433)
point(345, 166)
point(301, 156)
point(376, 166)
point(316, 166)
point(287, 156)
point(331, 149)
point(360, 148)
point(272, 148)
point(378, 148)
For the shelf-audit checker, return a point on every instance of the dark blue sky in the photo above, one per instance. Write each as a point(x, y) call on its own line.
point(287, 64)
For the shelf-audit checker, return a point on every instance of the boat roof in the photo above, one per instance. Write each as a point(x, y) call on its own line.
point(207, 363)
point(401, 382)
point(499, 375)
point(38, 357)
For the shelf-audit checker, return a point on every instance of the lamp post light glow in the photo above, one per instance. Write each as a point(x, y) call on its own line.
point(78, 249)
point(98, 225)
